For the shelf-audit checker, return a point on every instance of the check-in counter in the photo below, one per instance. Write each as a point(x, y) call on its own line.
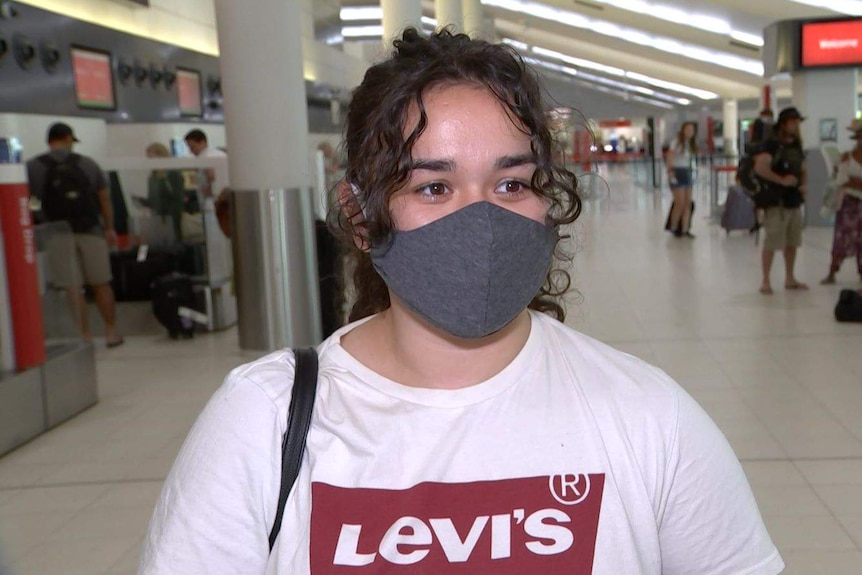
point(47, 371)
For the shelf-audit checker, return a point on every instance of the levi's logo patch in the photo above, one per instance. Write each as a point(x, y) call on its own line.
point(542, 525)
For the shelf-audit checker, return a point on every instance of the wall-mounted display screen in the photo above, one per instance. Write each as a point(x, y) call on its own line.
point(94, 79)
point(832, 43)
point(189, 90)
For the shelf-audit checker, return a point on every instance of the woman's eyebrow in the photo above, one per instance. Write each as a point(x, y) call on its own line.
point(514, 161)
point(448, 165)
point(433, 165)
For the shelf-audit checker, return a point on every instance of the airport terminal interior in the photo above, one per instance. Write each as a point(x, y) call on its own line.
point(89, 431)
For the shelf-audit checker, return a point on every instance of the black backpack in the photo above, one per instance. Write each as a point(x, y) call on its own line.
point(849, 306)
point(749, 181)
point(763, 193)
point(68, 195)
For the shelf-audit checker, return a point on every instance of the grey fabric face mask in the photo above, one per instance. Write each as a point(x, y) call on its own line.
point(471, 272)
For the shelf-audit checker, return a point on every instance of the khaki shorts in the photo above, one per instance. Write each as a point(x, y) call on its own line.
point(783, 228)
point(78, 258)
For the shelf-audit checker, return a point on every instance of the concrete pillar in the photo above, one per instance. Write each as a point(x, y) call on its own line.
point(266, 120)
point(730, 131)
point(449, 13)
point(397, 15)
point(826, 95)
point(474, 19)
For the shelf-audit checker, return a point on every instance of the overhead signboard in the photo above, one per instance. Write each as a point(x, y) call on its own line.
point(94, 80)
point(832, 43)
point(189, 91)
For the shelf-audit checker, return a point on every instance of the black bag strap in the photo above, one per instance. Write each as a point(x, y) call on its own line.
point(50, 161)
point(298, 422)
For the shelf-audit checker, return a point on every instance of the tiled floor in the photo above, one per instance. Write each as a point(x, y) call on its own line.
point(778, 374)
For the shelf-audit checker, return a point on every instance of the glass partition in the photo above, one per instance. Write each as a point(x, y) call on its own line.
point(166, 221)
point(59, 277)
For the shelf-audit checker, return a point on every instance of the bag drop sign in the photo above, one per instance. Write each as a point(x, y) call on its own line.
point(542, 525)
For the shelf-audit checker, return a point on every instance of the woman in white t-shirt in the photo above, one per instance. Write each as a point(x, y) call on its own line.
point(847, 239)
point(680, 161)
point(459, 425)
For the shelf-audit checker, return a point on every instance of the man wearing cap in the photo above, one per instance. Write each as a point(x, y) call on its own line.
point(780, 166)
point(72, 188)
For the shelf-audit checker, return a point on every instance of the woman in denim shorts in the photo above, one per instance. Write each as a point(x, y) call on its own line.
point(680, 165)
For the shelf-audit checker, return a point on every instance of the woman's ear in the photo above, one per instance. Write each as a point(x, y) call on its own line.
point(350, 204)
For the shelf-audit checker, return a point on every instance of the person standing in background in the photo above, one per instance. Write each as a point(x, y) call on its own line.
point(760, 129)
point(680, 167)
point(165, 191)
point(780, 165)
point(847, 239)
point(72, 188)
point(197, 142)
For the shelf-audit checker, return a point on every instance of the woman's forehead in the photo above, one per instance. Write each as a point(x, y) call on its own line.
point(461, 109)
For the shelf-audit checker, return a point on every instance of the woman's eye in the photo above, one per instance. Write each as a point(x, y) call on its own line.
point(512, 187)
point(434, 189)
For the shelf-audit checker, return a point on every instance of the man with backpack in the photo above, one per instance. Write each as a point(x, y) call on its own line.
point(779, 165)
point(72, 188)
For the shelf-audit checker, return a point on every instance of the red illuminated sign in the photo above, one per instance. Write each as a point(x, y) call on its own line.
point(622, 123)
point(189, 90)
point(836, 43)
point(94, 82)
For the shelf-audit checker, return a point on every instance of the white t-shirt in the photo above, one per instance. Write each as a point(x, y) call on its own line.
point(847, 169)
point(212, 189)
point(575, 459)
point(682, 156)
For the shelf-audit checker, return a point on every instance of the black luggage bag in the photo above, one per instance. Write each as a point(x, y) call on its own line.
point(132, 278)
point(171, 294)
point(679, 226)
point(849, 306)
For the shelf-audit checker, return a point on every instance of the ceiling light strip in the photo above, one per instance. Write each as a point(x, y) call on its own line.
point(631, 35)
point(673, 86)
point(851, 7)
point(628, 90)
point(691, 19)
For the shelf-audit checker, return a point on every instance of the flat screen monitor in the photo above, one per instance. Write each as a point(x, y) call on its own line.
point(189, 91)
point(94, 78)
point(832, 43)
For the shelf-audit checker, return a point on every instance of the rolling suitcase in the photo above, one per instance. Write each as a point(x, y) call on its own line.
point(679, 227)
point(133, 272)
point(738, 211)
point(173, 297)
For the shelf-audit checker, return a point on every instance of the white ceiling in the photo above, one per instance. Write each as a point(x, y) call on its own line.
point(748, 16)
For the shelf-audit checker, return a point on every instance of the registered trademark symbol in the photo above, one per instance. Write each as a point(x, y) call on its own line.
point(569, 489)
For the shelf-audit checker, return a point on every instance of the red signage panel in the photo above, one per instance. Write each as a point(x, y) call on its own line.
point(621, 123)
point(836, 43)
point(21, 269)
point(189, 90)
point(94, 83)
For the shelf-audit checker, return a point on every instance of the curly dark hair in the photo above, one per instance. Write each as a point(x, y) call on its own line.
point(379, 156)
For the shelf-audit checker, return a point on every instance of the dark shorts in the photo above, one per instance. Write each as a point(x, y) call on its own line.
point(683, 178)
